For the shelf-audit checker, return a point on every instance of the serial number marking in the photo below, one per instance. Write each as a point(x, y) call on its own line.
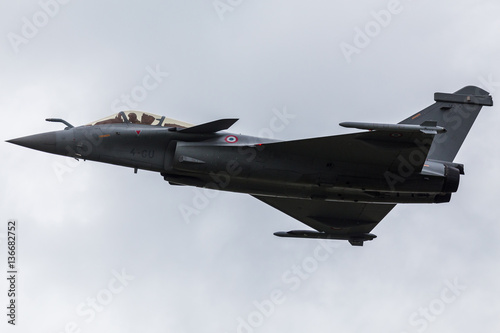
point(144, 153)
point(11, 244)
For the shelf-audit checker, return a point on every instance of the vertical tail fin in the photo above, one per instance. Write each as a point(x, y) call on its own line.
point(456, 112)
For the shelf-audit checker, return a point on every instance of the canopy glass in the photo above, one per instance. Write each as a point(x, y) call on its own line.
point(139, 117)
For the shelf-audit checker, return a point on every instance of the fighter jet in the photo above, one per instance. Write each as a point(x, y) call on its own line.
point(341, 186)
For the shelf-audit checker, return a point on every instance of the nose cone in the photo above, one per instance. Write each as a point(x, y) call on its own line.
point(43, 141)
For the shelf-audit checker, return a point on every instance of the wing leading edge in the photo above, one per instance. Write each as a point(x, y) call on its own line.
point(379, 151)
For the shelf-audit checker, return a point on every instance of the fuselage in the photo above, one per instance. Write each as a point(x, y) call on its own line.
point(238, 163)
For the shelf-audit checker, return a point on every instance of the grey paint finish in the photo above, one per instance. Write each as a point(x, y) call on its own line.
point(342, 186)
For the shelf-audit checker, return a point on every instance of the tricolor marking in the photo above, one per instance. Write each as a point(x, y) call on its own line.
point(231, 139)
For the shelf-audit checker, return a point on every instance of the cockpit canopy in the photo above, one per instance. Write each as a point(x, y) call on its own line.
point(139, 117)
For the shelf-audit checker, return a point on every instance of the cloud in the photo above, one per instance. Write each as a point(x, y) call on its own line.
point(264, 56)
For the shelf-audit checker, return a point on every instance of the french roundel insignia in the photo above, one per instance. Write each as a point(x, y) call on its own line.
point(231, 139)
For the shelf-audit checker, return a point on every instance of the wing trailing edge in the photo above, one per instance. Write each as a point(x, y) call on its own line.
point(332, 219)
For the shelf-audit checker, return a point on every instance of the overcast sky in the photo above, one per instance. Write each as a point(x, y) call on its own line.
point(102, 249)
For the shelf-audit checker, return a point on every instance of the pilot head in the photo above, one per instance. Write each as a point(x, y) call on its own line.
point(132, 117)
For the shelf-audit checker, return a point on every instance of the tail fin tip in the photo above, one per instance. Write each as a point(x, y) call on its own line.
point(472, 90)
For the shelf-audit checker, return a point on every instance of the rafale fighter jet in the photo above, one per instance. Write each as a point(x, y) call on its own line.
point(342, 186)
